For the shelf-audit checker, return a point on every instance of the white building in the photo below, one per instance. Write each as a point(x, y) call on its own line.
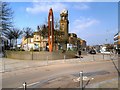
point(117, 40)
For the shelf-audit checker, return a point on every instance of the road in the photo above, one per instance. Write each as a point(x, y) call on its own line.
point(37, 77)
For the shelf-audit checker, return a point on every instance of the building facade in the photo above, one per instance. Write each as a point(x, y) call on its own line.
point(83, 44)
point(117, 41)
point(35, 42)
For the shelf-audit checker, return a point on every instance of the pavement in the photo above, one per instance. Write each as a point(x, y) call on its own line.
point(14, 64)
point(112, 83)
point(1, 55)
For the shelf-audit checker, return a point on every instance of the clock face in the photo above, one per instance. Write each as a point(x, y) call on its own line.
point(64, 11)
point(63, 18)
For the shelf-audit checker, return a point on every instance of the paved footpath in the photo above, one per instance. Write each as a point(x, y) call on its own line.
point(7, 65)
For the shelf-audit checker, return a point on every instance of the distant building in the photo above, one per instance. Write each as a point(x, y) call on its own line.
point(35, 42)
point(117, 40)
point(83, 44)
point(72, 41)
point(76, 43)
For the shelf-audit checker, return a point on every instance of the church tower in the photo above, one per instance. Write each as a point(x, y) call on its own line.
point(64, 24)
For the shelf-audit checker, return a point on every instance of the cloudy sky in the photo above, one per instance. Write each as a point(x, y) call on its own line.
point(93, 21)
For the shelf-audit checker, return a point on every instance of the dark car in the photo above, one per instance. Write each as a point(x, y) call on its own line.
point(92, 51)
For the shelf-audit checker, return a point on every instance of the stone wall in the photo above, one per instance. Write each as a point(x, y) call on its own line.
point(43, 55)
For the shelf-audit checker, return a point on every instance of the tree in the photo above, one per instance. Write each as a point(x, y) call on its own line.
point(56, 24)
point(13, 33)
point(43, 29)
point(9, 35)
point(17, 33)
point(28, 32)
point(6, 16)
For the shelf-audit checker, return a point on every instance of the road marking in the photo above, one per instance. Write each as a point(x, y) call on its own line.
point(85, 78)
point(30, 84)
point(92, 78)
point(33, 84)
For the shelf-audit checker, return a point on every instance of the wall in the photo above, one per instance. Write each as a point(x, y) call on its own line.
point(43, 55)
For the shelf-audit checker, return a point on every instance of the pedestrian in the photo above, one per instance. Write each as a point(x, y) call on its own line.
point(79, 53)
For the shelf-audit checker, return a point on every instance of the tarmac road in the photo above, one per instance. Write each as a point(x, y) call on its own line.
point(37, 76)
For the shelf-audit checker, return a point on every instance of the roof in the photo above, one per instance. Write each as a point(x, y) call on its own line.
point(36, 33)
point(117, 34)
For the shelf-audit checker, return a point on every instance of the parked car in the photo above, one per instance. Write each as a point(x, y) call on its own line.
point(92, 51)
point(106, 52)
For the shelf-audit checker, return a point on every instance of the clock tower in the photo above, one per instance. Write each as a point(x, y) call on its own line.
point(64, 24)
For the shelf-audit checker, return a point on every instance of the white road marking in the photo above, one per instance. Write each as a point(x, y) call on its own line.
point(85, 78)
point(33, 84)
point(30, 84)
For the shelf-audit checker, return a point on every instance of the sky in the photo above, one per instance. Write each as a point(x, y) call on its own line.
point(95, 22)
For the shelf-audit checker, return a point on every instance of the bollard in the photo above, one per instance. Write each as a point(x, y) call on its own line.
point(47, 60)
point(25, 86)
point(3, 66)
point(32, 55)
point(103, 56)
point(93, 58)
point(110, 57)
point(81, 80)
point(64, 58)
point(80, 57)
